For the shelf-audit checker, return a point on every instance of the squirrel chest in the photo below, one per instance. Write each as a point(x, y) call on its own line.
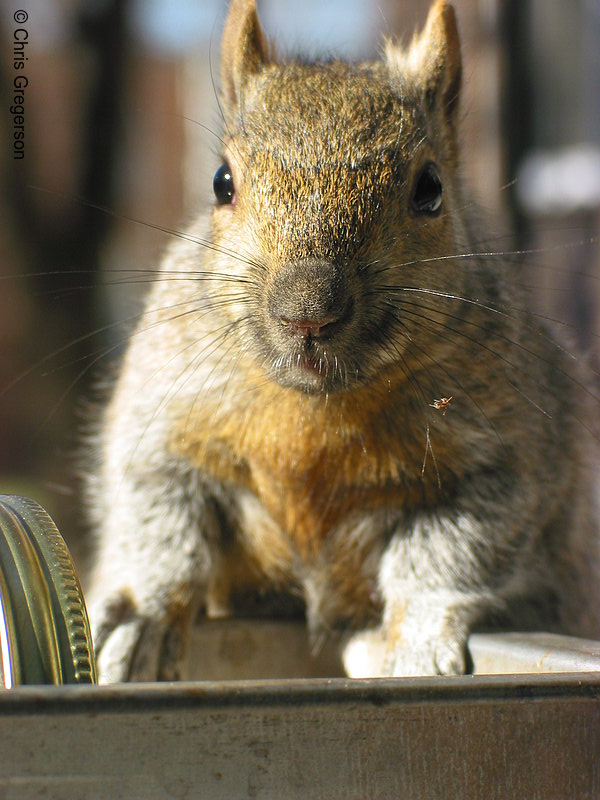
point(312, 462)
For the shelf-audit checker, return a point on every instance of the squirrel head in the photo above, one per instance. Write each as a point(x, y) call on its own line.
point(338, 180)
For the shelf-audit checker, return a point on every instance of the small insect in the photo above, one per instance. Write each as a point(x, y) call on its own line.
point(441, 404)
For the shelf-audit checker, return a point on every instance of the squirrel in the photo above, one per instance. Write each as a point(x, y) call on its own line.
point(335, 400)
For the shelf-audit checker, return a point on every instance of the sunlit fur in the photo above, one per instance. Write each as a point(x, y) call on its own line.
point(237, 456)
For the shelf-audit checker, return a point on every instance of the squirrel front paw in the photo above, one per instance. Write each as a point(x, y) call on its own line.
point(382, 652)
point(443, 657)
point(133, 643)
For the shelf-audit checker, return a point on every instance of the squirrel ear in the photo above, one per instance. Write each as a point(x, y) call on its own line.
point(244, 51)
point(434, 59)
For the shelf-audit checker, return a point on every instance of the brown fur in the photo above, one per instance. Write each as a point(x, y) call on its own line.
point(349, 440)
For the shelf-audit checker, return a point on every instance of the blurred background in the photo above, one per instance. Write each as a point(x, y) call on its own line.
point(121, 141)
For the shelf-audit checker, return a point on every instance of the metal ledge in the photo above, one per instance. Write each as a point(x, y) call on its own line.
point(233, 649)
point(533, 736)
point(529, 737)
point(506, 653)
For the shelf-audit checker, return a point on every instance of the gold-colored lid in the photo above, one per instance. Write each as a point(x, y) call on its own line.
point(44, 630)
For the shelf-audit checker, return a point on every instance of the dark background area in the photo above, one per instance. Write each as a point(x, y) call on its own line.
point(117, 96)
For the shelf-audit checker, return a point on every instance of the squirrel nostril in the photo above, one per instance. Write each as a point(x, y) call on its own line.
point(320, 327)
point(308, 328)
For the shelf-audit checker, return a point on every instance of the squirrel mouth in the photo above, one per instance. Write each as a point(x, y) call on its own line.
point(314, 369)
point(313, 357)
point(311, 364)
point(311, 352)
point(314, 373)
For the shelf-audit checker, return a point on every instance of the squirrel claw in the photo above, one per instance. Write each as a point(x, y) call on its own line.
point(131, 646)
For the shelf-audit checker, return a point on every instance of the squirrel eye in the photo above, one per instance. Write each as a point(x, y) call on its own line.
point(223, 185)
point(427, 193)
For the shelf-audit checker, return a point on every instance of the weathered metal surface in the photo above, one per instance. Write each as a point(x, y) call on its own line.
point(233, 649)
point(502, 653)
point(532, 738)
point(249, 649)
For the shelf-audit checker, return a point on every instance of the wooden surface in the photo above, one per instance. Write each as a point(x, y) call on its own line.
point(474, 737)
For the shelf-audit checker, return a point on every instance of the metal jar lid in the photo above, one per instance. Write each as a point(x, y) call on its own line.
point(44, 630)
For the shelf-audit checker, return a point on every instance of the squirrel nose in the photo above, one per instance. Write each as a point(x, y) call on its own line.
point(309, 299)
